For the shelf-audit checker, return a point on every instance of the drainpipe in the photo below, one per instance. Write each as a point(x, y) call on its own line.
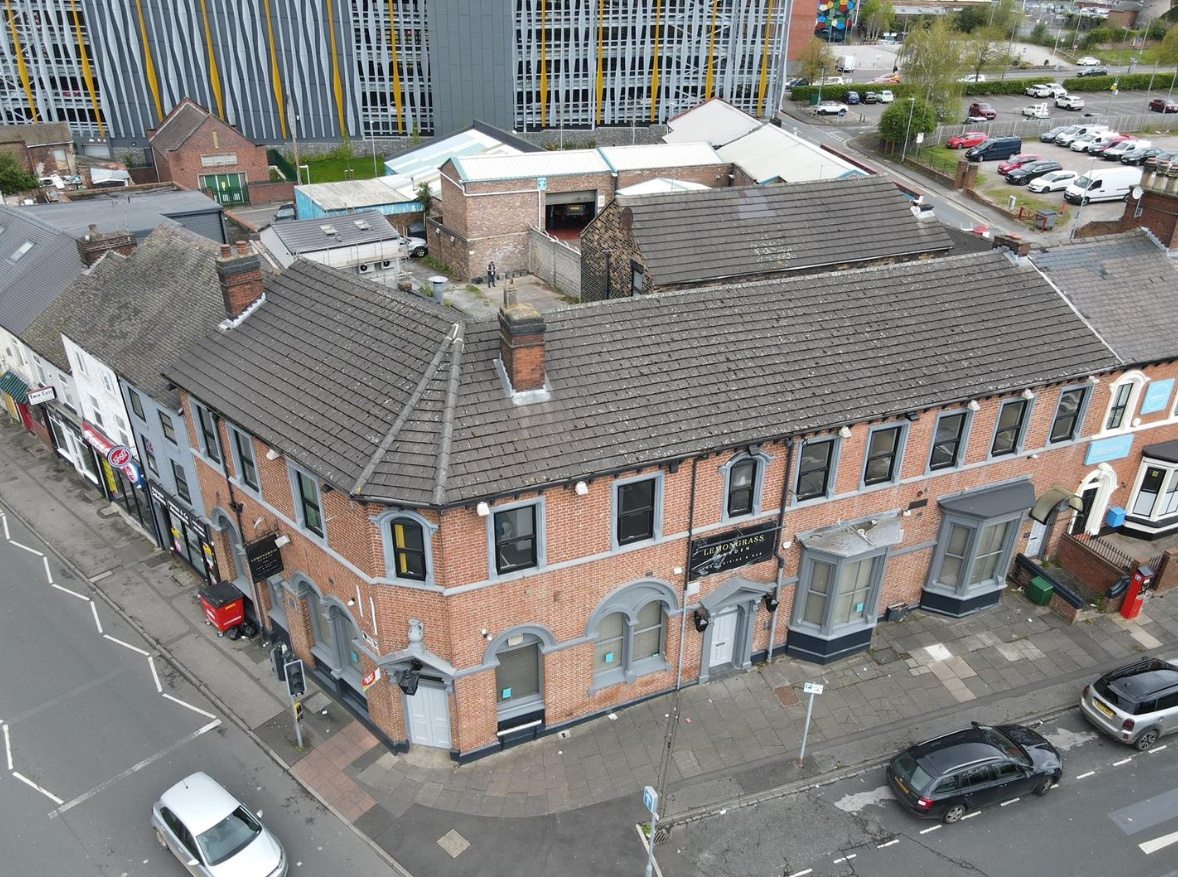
point(686, 574)
point(237, 507)
point(789, 453)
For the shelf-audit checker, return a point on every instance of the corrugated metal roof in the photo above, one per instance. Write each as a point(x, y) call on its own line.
point(355, 194)
point(715, 121)
point(656, 155)
point(310, 235)
point(483, 168)
point(770, 153)
point(660, 186)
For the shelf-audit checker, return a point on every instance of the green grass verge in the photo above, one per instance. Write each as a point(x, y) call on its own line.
point(332, 169)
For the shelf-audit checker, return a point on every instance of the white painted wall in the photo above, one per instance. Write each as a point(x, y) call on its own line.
point(98, 394)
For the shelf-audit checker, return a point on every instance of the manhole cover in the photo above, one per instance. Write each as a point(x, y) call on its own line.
point(786, 695)
point(884, 656)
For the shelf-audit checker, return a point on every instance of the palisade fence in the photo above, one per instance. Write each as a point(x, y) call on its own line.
point(1140, 123)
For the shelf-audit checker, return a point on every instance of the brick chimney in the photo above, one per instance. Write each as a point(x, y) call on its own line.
point(95, 245)
point(1018, 246)
point(241, 277)
point(521, 345)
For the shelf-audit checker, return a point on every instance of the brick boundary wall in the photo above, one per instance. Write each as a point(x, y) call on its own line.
point(264, 193)
point(1089, 567)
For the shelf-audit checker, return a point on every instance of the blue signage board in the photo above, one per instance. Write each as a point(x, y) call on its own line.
point(1157, 396)
point(1109, 449)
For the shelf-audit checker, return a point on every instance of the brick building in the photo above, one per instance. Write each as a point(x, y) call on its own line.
point(41, 149)
point(677, 240)
point(197, 150)
point(519, 532)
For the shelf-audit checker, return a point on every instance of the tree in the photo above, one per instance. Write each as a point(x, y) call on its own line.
point(876, 17)
point(1168, 51)
point(816, 58)
point(13, 177)
point(971, 18)
point(981, 50)
point(1002, 16)
point(424, 198)
point(1039, 33)
point(931, 61)
point(893, 124)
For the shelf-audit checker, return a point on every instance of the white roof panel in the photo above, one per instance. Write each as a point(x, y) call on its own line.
point(660, 186)
point(715, 121)
point(481, 168)
point(769, 153)
point(658, 155)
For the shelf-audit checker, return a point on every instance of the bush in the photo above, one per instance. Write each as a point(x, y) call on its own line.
point(1136, 82)
point(894, 124)
point(1003, 86)
point(902, 91)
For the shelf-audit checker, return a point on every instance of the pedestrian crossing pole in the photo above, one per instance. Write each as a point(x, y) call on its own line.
point(813, 689)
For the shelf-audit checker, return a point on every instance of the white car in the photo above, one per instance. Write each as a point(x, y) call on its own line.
point(1036, 111)
point(973, 77)
point(886, 96)
point(1088, 61)
point(416, 247)
point(1119, 149)
point(1069, 102)
point(831, 108)
point(1056, 181)
point(1081, 143)
point(213, 834)
point(1039, 89)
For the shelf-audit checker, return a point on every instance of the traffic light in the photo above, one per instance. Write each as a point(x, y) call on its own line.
point(278, 662)
point(298, 710)
point(296, 685)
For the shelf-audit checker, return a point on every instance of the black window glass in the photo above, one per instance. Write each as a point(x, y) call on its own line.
point(1010, 428)
point(149, 456)
point(741, 479)
point(309, 501)
point(882, 448)
point(169, 429)
point(1168, 701)
point(1067, 416)
point(515, 539)
point(136, 404)
point(1116, 413)
point(181, 482)
point(1007, 770)
point(947, 441)
point(814, 469)
point(947, 785)
point(245, 456)
point(408, 549)
point(975, 777)
point(636, 511)
point(208, 432)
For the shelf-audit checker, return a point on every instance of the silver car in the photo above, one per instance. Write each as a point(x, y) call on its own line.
point(1136, 704)
point(213, 834)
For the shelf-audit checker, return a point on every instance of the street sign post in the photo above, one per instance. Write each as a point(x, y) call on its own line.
point(813, 689)
point(650, 798)
point(296, 687)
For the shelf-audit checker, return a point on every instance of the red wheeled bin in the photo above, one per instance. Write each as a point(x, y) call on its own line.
point(224, 606)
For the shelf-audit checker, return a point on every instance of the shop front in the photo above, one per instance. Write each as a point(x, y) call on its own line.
point(183, 533)
point(14, 393)
point(122, 478)
point(72, 446)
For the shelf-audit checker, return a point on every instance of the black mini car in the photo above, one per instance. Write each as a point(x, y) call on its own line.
point(948, 776)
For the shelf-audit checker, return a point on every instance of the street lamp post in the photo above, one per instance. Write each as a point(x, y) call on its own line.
point(908, 130)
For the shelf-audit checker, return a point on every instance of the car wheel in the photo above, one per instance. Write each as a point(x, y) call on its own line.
point(418, 253)
point(954, 814)
point(1044, 787)
point(1146, 740)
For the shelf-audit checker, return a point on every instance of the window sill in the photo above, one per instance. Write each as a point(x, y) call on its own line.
point(637, 543)
point(835, 632)
point(324, 659)
point(814, 500)
point(519, 707)
point(514, 574)
point(967, 593)
point(256, 493)
point(742, 519)
point(620, 676)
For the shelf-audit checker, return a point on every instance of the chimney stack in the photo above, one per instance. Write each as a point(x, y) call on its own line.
point(521, 345)
point(95, 245)
point(1018, 246)
point(241, 278)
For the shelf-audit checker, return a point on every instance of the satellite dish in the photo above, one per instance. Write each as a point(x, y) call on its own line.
point(1137, 193)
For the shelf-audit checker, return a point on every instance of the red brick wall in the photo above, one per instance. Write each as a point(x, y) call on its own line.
point(1159, 213)
point(213, 137)
point(802, 18)
point(1088, 566)
point(262, 193)
point(1167, 576)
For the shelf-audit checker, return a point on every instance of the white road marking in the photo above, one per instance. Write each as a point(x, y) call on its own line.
point(190, 706)
point(927, 830)
point(1159, 843)
point(1011, 801)
point(1156, 749)
point(6, 536)
point(856, 802)
point(844, 859)
point(802, 873)
point(888, 844)
point(86, 796)
point(94, 609)
point(26, 548)
point(24, 779)
point(1122, 761)
point(48, 574)
point(124, 645)
point(971, 815)
point(155, 675)
point(7, 747)
point(1085, 775)
point(82, 597)
point(101, 576)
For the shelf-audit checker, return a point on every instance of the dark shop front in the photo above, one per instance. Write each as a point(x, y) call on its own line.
point(183, 533)
point(122, 477)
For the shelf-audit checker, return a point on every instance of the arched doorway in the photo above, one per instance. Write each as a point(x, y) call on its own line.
point(1095, 492)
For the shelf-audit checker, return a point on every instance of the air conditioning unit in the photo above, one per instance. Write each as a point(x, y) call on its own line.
point(388, 264)
point(364, 268)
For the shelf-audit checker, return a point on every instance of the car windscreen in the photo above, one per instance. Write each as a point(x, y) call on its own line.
point(1082, 183)
point(1008, 747)
point(229, 836)
point(909, 770)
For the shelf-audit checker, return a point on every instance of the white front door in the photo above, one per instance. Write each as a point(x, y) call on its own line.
point(723, 638)
point(429, 716)
point(1035, 542)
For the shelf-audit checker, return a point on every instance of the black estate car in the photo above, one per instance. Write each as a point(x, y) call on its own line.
point(1023, 174)
point(948, 776)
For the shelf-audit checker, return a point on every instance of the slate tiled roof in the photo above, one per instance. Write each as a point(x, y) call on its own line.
point(29, 284)
point(139, 213)
point(137, 313)
point(354, 381)
point(690, 237)
point(1125, 286)
point(180, 124)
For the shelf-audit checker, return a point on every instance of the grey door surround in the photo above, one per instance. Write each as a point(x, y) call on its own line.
point(743, 595)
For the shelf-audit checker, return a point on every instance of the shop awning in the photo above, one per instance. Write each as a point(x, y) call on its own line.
point(12, 384)
point(100, 442)
point(1167, 452)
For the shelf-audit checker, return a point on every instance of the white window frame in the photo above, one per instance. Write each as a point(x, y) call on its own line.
point(1138, 380)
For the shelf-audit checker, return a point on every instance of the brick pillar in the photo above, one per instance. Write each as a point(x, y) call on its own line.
point(302, 635)
point(241, 277)
point(521, 345)
point(1168, 574)
point(384, 707)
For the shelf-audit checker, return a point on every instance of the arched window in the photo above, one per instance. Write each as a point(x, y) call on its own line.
point(744, 478)
point(629, 633)
point(407, 538)
point(1123, 397)
point(519, 676)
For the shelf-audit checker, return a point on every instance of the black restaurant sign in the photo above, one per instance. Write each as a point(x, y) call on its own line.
point(264, 558)
point(732, 549)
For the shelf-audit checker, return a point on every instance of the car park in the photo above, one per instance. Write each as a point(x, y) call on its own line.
point(852, 98)
point(886, 96)
point(1093, 71)
point(1136, 704)
point(995, 148)
point(1023, 174)
point(1116, 151)
point(1140, 155)
point(1069, 102)
point(1104, 141)
point(966, 140)
point(1067, 139)
point(982, 111)
point(947, 777)
point(1163, 105)
point(1054, 134)
point(1039, 89)
point(1088, 61)
point(831, 108)
point(1055, 181)
point(1017, 161)
point(213, 834)
point(1036, 111)
point(1082, 142)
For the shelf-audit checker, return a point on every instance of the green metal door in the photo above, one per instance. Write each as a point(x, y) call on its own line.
point(226, 189)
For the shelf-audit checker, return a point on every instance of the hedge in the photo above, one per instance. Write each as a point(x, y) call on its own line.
point(902, 91)
point(1125, 82)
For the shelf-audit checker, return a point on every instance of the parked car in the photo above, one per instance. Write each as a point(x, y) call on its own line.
point(831, 108)
point(1105, 184)
point(995, 148)
point(1050, 136)
point(1066, 138)
point(852, 98)
point(973, 77)
point(886, 96)
point(1082, 142)
point(1164, 162)
point(1140, 156)
point(1136, 704)
point(213, 834)
point(1056, 181)
point(1023, 174)
point(1093, 71)
point(1163, 105)
point(1098, 146)
point(416, 246)
point(870, 97)
point(1036, 111)
point(966, 140)
point(1017, 161)
point(1069, 102)
point(946, 777)
point(286, 213)
point(1117, 151)
point(1039, 89)
point(983, 111)
point(1088, 61)
point(797, 82)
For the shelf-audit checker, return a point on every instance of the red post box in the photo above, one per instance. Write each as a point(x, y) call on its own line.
point(224, 606)
point(1141, 581)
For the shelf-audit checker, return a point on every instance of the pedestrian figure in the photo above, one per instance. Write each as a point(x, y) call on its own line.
point(491, 273)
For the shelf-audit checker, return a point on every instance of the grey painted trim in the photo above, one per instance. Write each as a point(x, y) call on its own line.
point(836, 454)
point(630, 598)
point(898, 460)
point(534, 635)
point(949, 519)
point(491, 658)
point(735, 590)
point(828, 629)
point(296, 496)
point(234, 432)
point(742, 648)
point(912, 549)
point(659, 478)
point(1081, 415)
point(383, 523)
point(962, 444)
point(201, 448)
point(541, 504)
point(763, 460)
point(1020, 444)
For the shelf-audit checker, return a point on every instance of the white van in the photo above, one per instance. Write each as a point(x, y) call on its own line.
point(1103, 185)
point(1066, 139)
point(846, 64)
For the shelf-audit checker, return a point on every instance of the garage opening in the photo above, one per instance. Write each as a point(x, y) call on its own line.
point(566, 213)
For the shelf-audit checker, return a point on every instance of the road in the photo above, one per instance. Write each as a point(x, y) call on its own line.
point(95, 727)
point(1115, 812)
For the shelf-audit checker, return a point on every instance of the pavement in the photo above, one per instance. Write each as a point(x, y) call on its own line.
point(570, 803)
